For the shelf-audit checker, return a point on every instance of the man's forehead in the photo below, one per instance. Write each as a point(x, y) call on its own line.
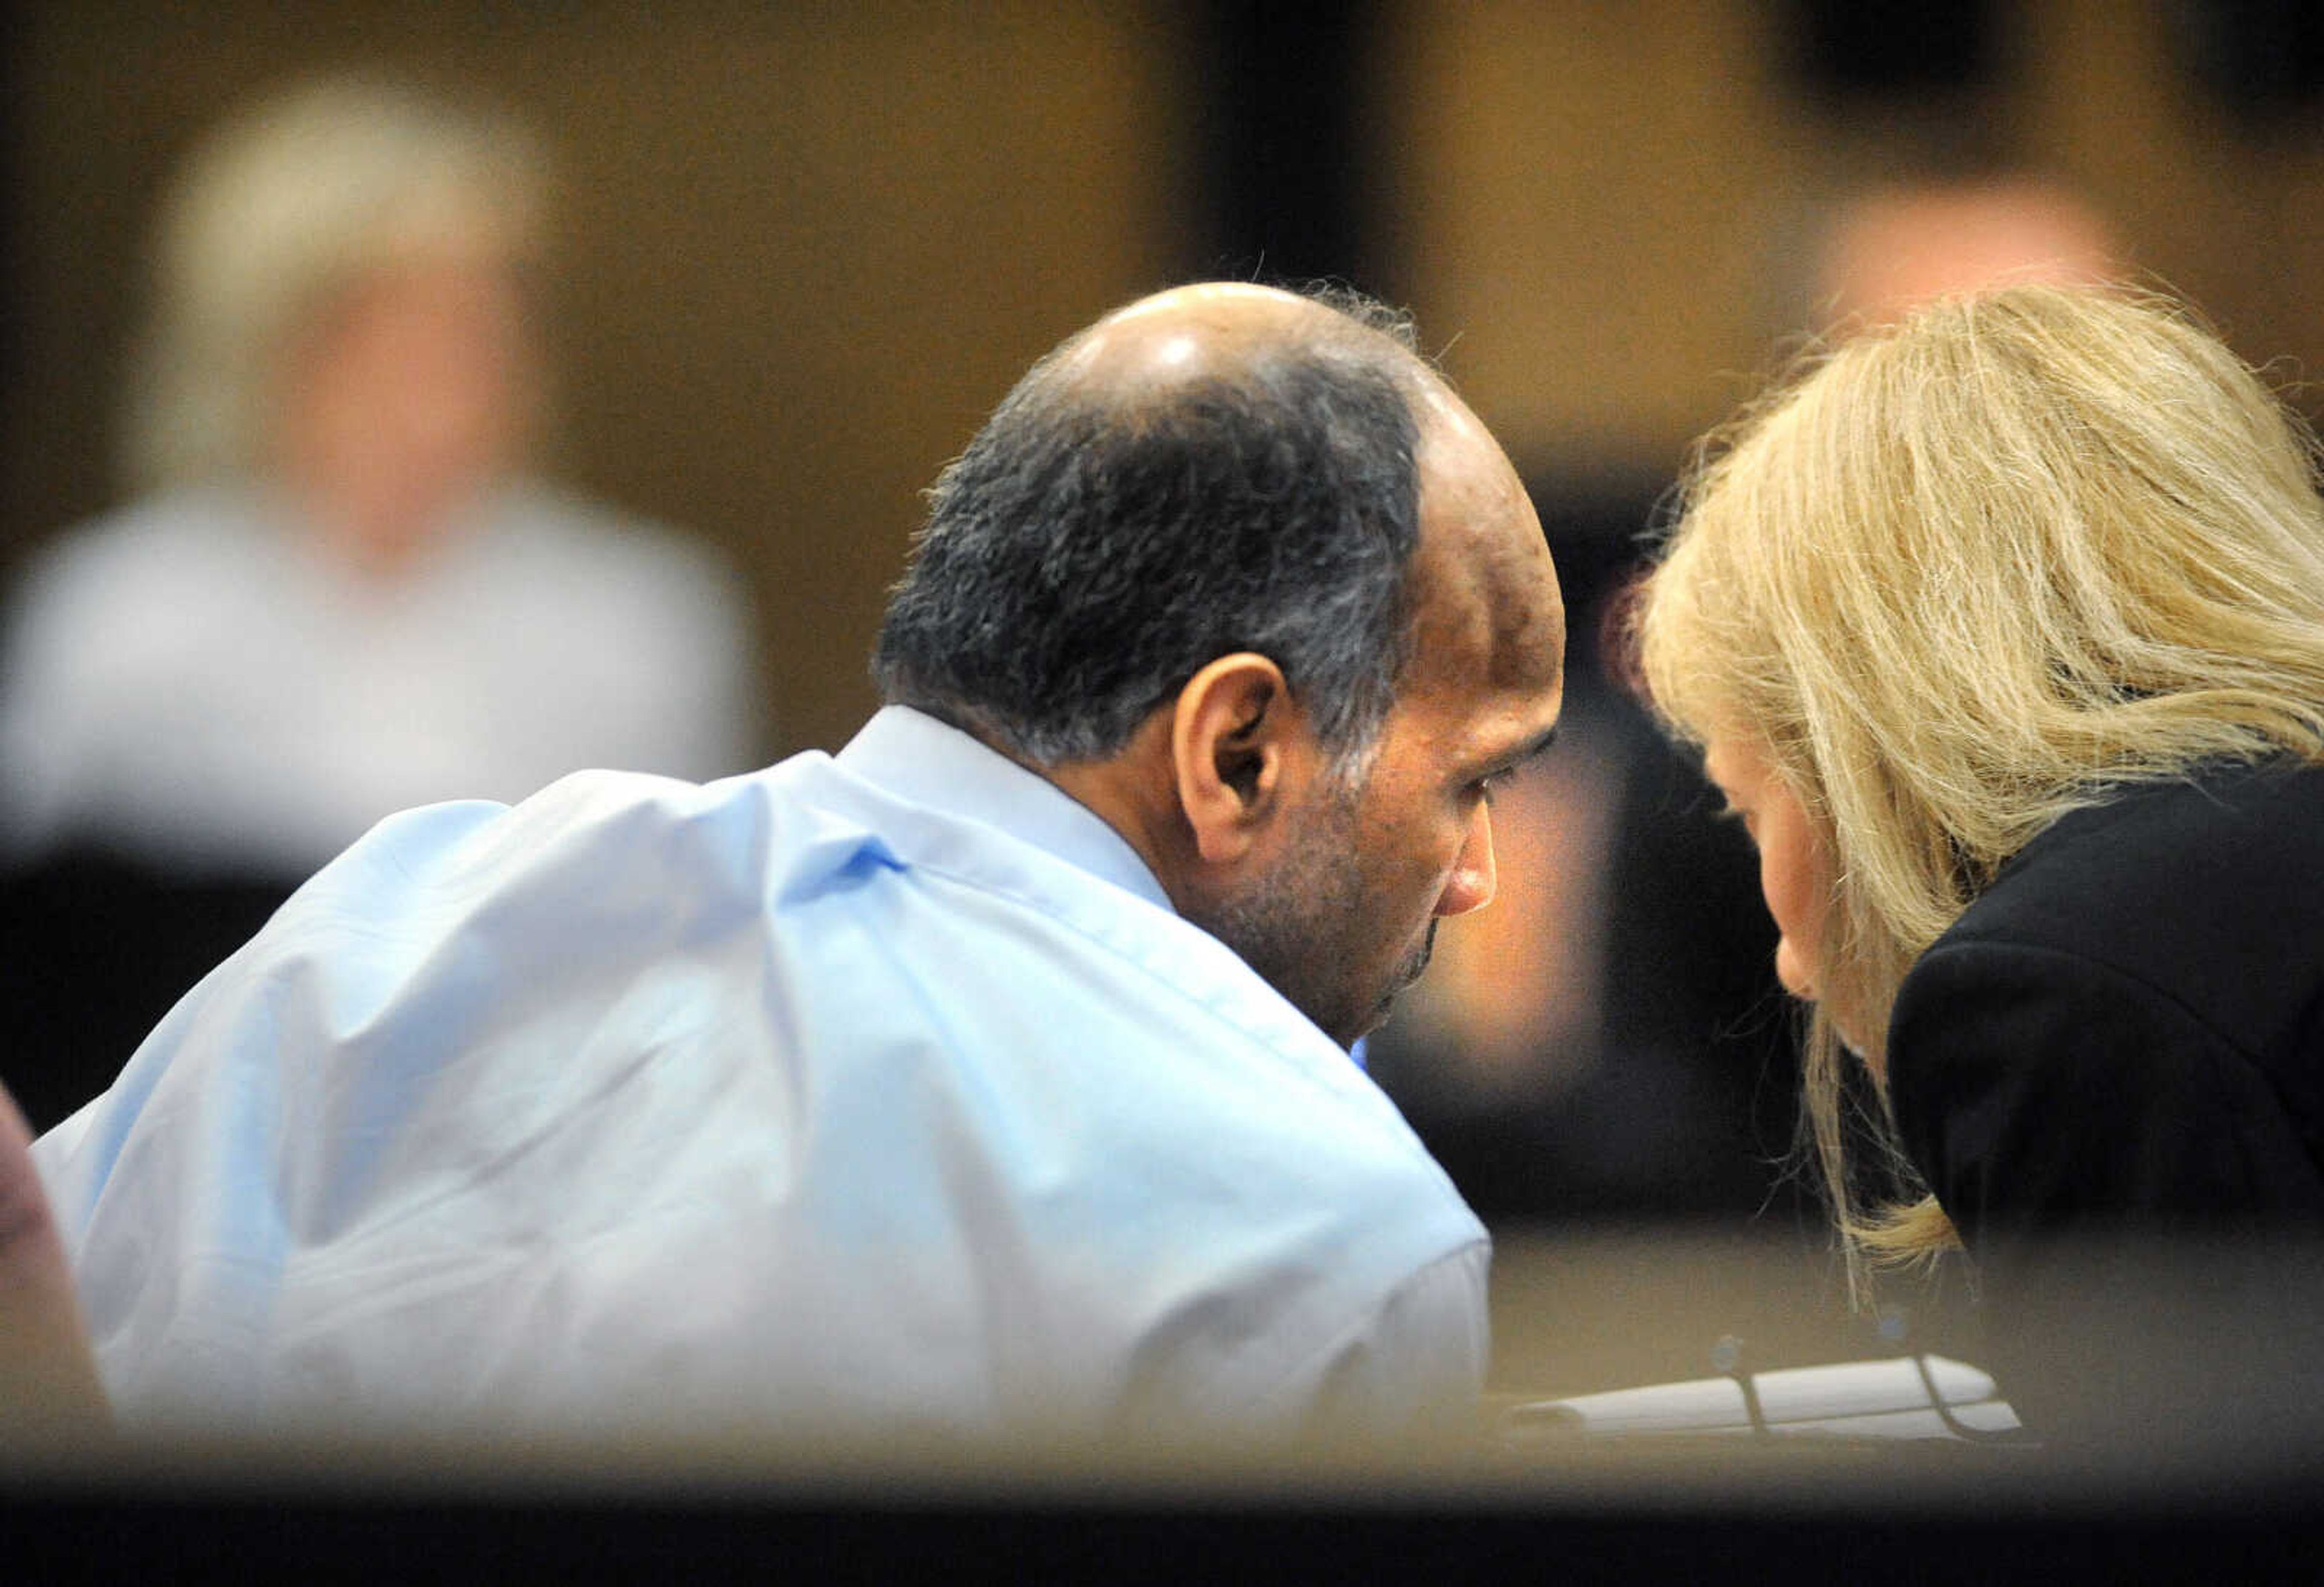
point(1485, 592)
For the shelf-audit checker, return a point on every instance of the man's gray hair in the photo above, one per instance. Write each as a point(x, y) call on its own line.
point(1092, 549)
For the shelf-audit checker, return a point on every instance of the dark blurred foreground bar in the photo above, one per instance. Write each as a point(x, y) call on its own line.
point(2194, 1387)
point(1734, 1512)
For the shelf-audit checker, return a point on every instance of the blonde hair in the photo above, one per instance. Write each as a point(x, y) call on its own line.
point(275, 216)
point(1960, 576)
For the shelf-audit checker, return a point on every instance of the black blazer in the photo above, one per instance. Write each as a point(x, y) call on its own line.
point(2110, 1071)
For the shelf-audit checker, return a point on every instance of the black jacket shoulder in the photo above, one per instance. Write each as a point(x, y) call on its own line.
point(2108, 1071)
point(2211, 891)
point(2129, 1023)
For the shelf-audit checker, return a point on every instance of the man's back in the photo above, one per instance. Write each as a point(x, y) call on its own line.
point(814, 1099)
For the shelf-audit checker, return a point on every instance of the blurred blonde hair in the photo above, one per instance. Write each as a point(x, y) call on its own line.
point(1960, 576)
point(275, 216)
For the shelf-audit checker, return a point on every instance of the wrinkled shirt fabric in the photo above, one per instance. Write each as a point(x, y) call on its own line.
point(882, 1094)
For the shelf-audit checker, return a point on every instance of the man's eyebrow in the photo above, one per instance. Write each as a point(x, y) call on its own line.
point(1525, 753)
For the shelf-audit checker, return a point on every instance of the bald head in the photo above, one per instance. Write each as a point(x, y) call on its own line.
point(1218, 468)
point(1218, 331)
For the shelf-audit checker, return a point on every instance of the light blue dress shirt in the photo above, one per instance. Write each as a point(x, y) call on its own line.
point(882, 1094)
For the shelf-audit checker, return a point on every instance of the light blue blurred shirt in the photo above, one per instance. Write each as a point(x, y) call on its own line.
point(877, 1094)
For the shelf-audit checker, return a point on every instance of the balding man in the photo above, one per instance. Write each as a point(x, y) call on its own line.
point(990, 1077)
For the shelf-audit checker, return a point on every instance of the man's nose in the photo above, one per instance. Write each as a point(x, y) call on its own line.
point(1470, 885)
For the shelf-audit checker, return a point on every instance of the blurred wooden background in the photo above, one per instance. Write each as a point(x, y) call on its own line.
point(805, 246)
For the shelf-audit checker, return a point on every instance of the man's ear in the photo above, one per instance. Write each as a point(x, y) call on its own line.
point(1241, 749)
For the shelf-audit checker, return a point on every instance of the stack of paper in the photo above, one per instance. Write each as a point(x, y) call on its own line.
point(1902, 1397)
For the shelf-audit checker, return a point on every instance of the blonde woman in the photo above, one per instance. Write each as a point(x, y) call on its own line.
point(342, 589)
point(2001, 629)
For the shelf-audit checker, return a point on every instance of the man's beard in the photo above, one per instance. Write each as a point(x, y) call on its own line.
point(1306, 924)
point(1409, 969)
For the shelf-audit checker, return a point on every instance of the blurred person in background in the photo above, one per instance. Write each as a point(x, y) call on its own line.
point(2001, 629)
point(339, 592)
point(1885, 250)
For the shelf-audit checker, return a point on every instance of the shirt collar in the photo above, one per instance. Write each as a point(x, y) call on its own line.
point(913, 755)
